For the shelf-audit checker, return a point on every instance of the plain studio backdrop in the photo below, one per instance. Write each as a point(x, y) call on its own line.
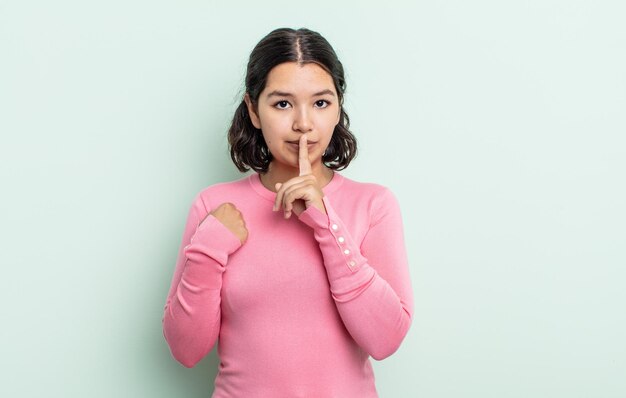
point(500, 126)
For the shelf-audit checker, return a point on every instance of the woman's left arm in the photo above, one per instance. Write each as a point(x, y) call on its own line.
point(369, 282)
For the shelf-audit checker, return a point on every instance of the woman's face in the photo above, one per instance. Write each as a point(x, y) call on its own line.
point(297, 99)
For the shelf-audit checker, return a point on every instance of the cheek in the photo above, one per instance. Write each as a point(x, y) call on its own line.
point(328, 127)
point(268, 134)
point(271, 138)
point(274, 129)
point(331, 119)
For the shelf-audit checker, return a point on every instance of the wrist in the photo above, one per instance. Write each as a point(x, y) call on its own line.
point(320, 206)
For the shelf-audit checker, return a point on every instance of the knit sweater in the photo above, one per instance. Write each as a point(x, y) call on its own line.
point(301, 305)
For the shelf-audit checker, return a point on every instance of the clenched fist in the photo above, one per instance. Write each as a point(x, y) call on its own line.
point(228, 215)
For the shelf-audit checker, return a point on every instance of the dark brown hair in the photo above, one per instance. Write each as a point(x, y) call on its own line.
point(247, 145)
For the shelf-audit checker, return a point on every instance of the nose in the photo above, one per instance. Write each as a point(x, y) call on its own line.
point(302, 121)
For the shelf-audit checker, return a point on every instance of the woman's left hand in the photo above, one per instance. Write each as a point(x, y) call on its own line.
point(299, 193)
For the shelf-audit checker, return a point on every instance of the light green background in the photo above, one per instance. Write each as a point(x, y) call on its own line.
point(499, 125)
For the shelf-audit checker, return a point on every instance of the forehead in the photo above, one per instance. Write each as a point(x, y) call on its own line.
point(303, 79)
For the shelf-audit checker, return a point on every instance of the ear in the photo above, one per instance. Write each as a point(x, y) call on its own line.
point(254, 117)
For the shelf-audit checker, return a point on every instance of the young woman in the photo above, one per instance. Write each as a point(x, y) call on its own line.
point(299, 272)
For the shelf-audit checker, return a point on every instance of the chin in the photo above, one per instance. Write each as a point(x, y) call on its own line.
point(286, 162)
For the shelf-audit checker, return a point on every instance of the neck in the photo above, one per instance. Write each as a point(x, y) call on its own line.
point(276, 173)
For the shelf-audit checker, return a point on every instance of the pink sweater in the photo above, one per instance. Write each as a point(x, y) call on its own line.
point(303, 303)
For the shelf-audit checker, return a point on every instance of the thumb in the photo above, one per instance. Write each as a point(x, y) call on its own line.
point(278, 185)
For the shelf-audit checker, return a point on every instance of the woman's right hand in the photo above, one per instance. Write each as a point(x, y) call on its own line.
point(228, 215)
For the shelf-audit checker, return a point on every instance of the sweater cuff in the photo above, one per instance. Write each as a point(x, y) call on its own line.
point(342, 256)
point(213, 239)
point(314, 218)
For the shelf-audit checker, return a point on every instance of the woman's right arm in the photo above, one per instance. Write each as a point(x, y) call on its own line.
point(191, 319)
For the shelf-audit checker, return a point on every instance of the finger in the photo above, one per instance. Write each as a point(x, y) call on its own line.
point(277, 199)
point(305, 165)
point(282, 187)
point(296, 197)
point(293, 193)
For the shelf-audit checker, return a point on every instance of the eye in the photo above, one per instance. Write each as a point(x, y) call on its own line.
point(281, 104)
point(322, 103)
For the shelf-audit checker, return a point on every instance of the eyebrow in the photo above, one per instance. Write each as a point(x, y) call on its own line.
point(284, 94)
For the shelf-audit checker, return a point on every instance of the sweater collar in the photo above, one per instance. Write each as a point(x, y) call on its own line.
point(257, 185)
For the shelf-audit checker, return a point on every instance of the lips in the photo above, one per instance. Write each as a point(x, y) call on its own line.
point(297, 142)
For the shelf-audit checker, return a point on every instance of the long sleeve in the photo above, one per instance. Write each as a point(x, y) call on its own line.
point(369, 282)
point(191, 319)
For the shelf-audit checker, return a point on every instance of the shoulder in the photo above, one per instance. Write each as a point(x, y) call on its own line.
point(372, 192)
point(220, 192)
point(374, 198)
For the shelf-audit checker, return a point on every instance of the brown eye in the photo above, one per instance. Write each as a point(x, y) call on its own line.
point(281, 104)
point(322, 103)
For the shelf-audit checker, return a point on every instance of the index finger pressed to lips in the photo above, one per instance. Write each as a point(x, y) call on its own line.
point(303, 158)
